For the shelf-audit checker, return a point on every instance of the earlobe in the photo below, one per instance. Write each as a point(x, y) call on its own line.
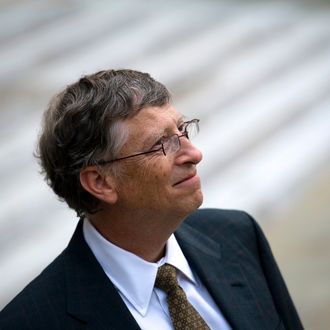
point(98, 184)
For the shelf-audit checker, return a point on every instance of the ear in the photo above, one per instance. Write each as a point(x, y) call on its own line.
point(98, 184)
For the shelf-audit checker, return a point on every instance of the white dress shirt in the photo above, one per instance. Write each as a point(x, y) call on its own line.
point(134, 279)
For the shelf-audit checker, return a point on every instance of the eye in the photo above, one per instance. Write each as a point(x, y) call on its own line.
point(183, 127)
point(158, 144)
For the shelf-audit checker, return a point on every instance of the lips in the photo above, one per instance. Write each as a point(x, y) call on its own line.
point(188, 177)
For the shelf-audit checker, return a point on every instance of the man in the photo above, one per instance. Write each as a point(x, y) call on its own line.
point(116, 150)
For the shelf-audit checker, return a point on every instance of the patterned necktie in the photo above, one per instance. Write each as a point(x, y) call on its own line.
point(184, 316)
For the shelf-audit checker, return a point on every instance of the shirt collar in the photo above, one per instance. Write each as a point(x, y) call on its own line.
point(175, 257)
point(131, 275)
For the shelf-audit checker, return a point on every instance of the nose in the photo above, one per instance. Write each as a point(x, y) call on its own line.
point(188, 153)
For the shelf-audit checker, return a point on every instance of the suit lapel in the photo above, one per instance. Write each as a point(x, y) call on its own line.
point(91, 297)
point(222, 277)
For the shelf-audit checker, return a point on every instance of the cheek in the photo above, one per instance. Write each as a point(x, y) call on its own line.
point(149, 176)
point(155, 175)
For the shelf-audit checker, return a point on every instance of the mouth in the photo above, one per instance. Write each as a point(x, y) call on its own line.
point(187, 179)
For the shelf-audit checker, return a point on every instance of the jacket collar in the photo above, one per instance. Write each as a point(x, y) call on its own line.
point(98, 303)
point(217, 266)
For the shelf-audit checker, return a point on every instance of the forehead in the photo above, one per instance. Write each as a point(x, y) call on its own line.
point(153, 119)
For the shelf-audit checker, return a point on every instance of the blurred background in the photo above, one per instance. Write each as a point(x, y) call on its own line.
point(257, 74)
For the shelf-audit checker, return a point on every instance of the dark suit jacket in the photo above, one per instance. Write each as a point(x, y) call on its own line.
point(226, 249)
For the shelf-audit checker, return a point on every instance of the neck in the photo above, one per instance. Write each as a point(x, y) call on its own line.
point(143, 233)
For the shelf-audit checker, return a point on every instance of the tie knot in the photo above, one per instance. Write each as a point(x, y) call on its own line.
point(166, 278)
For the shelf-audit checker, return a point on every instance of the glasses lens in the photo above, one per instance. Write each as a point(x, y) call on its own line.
point(192, 128)
point(171, 144)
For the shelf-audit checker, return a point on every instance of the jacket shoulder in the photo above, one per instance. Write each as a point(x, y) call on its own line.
point(211, 220)
point(37, 299)
point(233, 229)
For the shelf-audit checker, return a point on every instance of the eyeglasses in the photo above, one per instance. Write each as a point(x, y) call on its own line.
point(167, 145)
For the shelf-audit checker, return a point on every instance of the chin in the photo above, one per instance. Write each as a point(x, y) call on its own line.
point(194, 203)
point(198, 199)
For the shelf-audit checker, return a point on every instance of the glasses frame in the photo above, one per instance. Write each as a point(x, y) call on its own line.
point(184, 134)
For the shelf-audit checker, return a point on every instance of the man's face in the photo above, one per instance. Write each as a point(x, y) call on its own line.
point(154, 182)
